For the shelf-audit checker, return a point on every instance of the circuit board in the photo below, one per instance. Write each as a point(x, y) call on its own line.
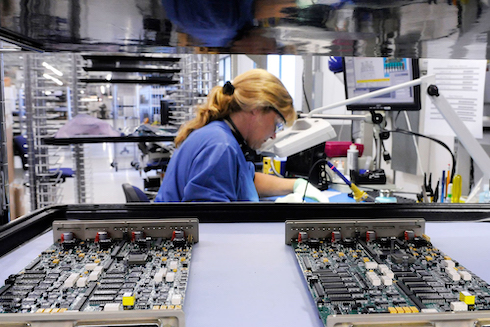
point(106, 266)
point(371, 268)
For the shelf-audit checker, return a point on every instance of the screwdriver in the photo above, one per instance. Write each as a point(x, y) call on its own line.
point(358, 194)
point(457, 185)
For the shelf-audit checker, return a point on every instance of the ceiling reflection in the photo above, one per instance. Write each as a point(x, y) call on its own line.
point(404, 28)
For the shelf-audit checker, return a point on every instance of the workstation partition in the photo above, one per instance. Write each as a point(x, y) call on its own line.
point(242, 272)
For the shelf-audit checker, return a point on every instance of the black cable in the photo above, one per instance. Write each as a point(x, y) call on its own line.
point(309, 175)
point(402, 131)
point(304, 91)
point(472, 174)
point(376, 146)
point(386, 154)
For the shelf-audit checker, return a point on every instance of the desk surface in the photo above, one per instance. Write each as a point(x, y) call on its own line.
point(244, 274)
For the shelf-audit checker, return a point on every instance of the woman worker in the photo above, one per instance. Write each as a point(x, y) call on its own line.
point(210, 162)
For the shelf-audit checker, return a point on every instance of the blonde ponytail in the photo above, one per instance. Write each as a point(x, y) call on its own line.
point(216, 108)
point(256, 88)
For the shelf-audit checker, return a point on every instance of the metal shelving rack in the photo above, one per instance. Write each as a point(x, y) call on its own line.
point(42, 191)
point(44, 164)
point(157, 93)
point(198, 76)
point(131, 78)
point(83, 185)
point(125, 116)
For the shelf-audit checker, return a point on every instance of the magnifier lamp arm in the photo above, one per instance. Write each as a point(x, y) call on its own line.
point(365, 117)
point(464, 135)
point(424, 79)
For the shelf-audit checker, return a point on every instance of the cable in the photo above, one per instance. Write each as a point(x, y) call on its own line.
point(309, 175)
point(376, 146)
point(304, 91)
point(273, 167)
point(402, 131)
point(386, 155)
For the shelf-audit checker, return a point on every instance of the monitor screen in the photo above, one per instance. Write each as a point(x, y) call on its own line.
point(364, 75)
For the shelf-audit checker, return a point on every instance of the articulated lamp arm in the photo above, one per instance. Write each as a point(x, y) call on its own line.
point(473, 147)
point(424, 79)
point(464, 135)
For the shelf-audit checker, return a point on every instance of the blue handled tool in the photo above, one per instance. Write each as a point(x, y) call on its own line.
point(358, 194)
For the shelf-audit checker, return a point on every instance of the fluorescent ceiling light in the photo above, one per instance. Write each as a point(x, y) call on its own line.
point(54, 79)
point(51, 68)
point(9, 50)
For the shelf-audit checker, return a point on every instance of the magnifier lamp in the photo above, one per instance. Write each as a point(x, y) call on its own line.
point(313, 130)
point(305, 133)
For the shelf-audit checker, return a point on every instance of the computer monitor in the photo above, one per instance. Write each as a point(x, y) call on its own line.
point(364, 75)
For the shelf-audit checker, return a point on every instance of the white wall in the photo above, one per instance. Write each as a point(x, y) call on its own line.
point(244, 63)
point(333, 86)
point(298, 85)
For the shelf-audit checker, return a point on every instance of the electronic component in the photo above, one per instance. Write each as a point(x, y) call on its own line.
point(67, 240)
point(103, 239)
point(96, 266)
point(178, 239)
point(389, 268)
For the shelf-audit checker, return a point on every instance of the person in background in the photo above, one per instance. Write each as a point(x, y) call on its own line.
point(210, 163)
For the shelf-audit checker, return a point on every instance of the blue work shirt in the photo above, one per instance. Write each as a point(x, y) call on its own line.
point(209, 166)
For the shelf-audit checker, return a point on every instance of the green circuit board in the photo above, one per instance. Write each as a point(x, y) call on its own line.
point(134, 272)
point(366, 274)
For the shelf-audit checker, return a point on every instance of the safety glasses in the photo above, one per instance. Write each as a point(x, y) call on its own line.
point(279, 124)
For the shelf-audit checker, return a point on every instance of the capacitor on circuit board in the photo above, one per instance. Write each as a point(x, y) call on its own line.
point(66, 237)
point(302, 237)
point(370, 236)
point(409, 235)
point(68, 240)
point(103, 239)
point(178, 238)
point(101, 236)
point(137, 236)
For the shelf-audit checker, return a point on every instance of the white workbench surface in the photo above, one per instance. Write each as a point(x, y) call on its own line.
point(244, 274)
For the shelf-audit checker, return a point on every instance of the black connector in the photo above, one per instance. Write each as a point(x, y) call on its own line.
point(386, 156)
